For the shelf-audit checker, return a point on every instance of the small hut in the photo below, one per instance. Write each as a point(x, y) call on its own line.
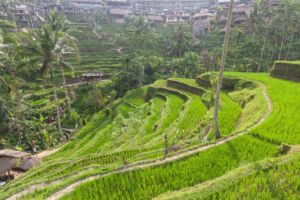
point(15, 160)
point(92, 75)
point(28, 163)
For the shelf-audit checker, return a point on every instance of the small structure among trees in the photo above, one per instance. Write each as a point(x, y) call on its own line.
point(12, 161)
point(92, 75)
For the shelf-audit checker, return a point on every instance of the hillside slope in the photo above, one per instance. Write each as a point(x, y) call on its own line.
point(133, 132)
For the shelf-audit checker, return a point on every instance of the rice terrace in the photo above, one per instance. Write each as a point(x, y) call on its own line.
point(149, 99)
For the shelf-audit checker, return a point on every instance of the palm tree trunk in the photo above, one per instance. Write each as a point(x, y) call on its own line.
point(223, 60)
point(56, 104)
point(262, 52)
point(281, 46)
point(66, 89)
point(290, 46)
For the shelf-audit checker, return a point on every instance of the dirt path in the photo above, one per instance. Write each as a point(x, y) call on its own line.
point(146, 164)
point(47, 152)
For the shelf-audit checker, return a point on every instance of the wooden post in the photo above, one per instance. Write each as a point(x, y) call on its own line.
point(166, 146)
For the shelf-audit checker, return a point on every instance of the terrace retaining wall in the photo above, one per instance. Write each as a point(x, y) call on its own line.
point(286, 70)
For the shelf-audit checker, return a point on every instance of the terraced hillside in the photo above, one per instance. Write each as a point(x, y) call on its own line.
point(131, 137)
point(105, 49)
point(96, 53)
point(276, 178)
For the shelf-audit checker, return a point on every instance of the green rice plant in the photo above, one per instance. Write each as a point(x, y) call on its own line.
point(229, 186)
point(282, 126)
point(250, 100)
point(98, 127)
point(136, 97)
point(174, 106)
point(230, 112)
point(114, 134)
point(278, 182)
point(229, 115)
point(150, 182)
point(188, 81)
point(193, 115)
point(156, 114)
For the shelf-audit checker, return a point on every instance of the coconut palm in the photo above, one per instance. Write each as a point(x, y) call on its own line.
point(222, 66)
point(67, 47)
point(141, 25)
point(51, 46)
point(8, 43)
point(181, 40)
point(141, 29)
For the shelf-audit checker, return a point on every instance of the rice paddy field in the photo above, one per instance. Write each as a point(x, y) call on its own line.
point(106, 50)
point(133, 131)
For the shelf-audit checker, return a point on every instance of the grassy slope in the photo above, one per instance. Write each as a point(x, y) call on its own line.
point(282, 127)
point(148, 183)
point(245, 181)
point(178, 174)
point(279, 182)
point(101, 145)
point(107, 139)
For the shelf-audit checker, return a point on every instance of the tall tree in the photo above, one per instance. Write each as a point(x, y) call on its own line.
point(51, 46)
point(141, 29)
point(221, 72)
point(181, 41)
point(66, 47)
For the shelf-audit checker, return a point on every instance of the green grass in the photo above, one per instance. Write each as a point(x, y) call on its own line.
point(136, 97)
point(264, 179)
point(282, 125)
point(251, 100)
point(275, 181)
point(174, 106)
point(229, 115)
point(230, 112)
point(194, 113)
point(134, 129)
point(188, 81)
point(297, 62)
point(282, 182)
point(150, 182)
point(103, 143)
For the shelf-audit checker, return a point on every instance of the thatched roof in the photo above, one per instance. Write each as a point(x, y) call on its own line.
point(7, 164)
point(13, 154)
point(29, 162)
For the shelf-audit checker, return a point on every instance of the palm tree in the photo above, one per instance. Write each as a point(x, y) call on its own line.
point(222, 66)
point(66, 47)
point(141, 29)
point(141, 25)
point(50, 46)
point(182, 39)
point(8, 43)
